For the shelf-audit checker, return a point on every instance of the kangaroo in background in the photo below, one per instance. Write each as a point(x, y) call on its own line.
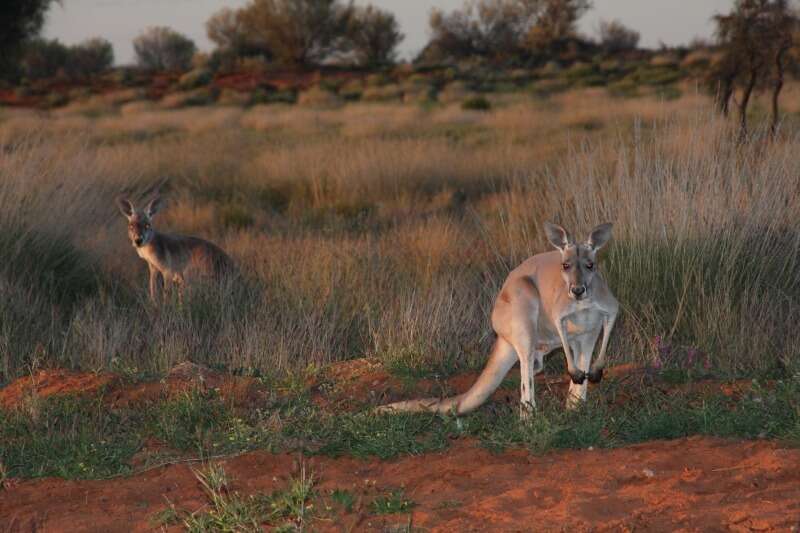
point(175, 259)
point(553, 299)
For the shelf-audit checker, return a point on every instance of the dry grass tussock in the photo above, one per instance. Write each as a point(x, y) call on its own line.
point(386, 230)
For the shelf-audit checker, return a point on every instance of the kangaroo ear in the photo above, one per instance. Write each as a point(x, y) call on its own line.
point(557, 235)
point(125, 207)
point(154, 206)
point(599, 236)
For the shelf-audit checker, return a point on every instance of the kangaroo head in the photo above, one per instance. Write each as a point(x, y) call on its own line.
point(140, 228)
point(578, 261)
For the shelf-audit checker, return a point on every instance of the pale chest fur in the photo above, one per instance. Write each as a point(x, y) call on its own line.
point(582, 318)
point(148, 254)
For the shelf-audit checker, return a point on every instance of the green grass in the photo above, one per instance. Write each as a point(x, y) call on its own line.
point(344, 499)
point(391, 503)
point(67, 437)
point(229, 511)
point(85, 439)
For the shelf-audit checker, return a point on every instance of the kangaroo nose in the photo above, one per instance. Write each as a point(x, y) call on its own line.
point(138, 241)
point(577, 291)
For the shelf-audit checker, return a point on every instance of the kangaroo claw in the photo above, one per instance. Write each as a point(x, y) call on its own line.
point(578, 377)
point(595, 376)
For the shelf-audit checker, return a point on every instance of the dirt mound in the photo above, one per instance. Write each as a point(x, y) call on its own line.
point(241, 391)
point(46, 383)
point(184, 377)
point(695, 484)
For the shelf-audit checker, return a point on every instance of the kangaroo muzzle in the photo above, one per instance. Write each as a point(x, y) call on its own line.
point(578, 291)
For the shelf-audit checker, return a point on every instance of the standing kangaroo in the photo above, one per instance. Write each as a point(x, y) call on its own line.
point(554, 299)
point(172, 258)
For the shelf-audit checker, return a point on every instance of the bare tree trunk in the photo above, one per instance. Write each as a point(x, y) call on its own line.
point(776, 90)
point(748, 91)
point(724, 95)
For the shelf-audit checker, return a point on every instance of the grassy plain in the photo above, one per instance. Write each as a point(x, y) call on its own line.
point(384, 231)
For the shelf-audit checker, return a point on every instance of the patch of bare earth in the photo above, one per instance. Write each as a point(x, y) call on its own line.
point(695, 484)
point(187, 376)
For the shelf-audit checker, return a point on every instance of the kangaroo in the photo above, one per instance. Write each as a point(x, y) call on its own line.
point(173, 259)
point(553, 299)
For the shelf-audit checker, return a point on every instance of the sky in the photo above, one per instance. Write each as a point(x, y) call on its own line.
point(659, 21)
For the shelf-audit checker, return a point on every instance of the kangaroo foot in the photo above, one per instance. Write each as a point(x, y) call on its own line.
point(595, 376)
point(578, 377)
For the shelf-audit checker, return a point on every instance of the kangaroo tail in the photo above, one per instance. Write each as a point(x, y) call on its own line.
point(501, 360)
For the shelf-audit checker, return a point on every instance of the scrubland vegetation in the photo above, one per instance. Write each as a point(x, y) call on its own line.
point(385, 230)
point(375, 214)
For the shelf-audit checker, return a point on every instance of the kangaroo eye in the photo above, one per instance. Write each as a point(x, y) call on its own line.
point(590, 265)
point(566, 266)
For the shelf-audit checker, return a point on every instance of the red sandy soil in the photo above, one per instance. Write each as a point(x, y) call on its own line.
point(695, 484)
point(45, 383)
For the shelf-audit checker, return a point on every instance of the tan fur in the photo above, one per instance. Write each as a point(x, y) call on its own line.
point(172, 259)
point(536, 312)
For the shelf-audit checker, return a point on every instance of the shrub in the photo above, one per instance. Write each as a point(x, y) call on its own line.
point(383, 93)
point(579, 70)
point(55, 99)
point(319, 97)
point(665, 60)
point(162, 48)
point(658, 76)
point(233, 97)
point(123, 76)
point(195, 78)
point(454, 92)
point(616, 37)
point(89, 58)
point(224, 29)
point(43, 58)
point(263, 96)
point(476, 103)
point(416, 93)
point(697, 59)
point(298, 32)
point(626, 88)
point(352, 90)
point(546, 88)
point(377, 80)
point(373, 36)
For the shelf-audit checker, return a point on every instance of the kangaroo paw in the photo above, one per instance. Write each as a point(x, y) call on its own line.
point(595, 376)
point(578, 377)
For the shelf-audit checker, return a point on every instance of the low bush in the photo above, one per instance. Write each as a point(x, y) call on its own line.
point(476, 103)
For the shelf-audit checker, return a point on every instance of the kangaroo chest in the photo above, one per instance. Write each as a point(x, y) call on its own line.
point(160, 263)
point(582, 320)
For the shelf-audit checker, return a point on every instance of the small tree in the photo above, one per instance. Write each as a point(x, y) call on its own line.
point(616, 37)
point(493, 28)
point(43, 58)
point(91, 57)
point(755, 39)
point(162, 48)
point(297, 32)
point(227, 30)
point(556, 23)
point(20, 20)
point(503, 28)
point(373, 36)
